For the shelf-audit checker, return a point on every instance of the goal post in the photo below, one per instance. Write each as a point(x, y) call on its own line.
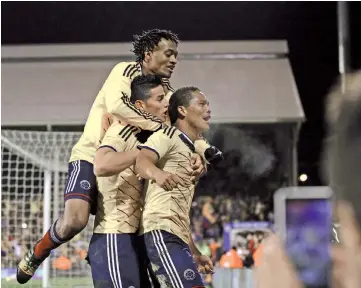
point(34, 174)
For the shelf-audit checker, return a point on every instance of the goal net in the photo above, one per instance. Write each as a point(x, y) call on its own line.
point(34, 172)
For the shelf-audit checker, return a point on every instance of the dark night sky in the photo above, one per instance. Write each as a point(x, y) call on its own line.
point(309, 27)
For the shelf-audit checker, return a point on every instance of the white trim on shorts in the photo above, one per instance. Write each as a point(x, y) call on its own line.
point(73, 176)
point(166, 259)
point(113, 264)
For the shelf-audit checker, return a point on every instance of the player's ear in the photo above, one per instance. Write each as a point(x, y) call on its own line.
point(147, 56)
point(182, 111)
point(139, 104)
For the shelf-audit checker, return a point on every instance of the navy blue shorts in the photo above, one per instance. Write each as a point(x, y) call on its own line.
point(171, 260)
point(81, 182)
point(116, 261)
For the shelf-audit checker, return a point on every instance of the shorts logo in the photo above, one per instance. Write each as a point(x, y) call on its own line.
point(85, 185)
point(189, 274)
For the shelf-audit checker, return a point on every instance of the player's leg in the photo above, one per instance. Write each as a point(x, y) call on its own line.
point(113, 261)
point(171, 261)
point(147, 278)
point(80, 193)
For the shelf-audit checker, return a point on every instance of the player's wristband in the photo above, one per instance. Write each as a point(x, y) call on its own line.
point(213, 156)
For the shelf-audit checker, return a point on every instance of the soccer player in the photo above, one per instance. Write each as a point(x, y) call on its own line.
point(113, 255)
point(156, 53)
point(165, 219)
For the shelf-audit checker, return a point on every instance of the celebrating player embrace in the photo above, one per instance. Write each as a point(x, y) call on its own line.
point(116, 252)
point(156, 53)
point(165, 161)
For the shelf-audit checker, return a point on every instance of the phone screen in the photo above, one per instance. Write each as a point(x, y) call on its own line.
point(308, 223)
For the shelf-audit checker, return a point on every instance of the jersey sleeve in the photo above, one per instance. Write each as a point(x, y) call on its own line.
point(113, 137)
point(161, 142)
point(117, 98)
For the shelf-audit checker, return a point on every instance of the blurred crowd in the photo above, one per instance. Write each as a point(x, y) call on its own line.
point(22, 224)
point(208, 217)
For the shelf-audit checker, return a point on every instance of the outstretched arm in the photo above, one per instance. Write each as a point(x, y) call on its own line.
point(146, 168)
point(145, 164)
point(109, 162)
point(113, 156)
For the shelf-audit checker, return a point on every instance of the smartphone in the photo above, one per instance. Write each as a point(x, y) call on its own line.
point(303, 219)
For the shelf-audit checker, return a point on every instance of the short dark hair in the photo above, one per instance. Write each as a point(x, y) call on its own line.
point(148, 40)
point(141, 86)
point(180, 97)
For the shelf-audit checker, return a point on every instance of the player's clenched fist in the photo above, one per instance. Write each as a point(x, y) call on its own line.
point(169, 181)
point(204, 263)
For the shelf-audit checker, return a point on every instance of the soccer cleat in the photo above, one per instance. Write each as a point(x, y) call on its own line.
point(27, 267)
point(213, 156)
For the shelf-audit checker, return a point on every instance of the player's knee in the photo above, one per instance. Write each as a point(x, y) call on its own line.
point(76, 216)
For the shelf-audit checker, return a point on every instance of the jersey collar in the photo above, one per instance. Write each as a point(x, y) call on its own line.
point(186, 140)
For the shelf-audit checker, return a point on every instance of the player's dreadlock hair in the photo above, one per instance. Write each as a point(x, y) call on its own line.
point(141, 86)
point(181, 97)
point(149, 40)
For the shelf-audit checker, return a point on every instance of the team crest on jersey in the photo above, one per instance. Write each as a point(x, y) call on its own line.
point(189, 274)
point(84, 184)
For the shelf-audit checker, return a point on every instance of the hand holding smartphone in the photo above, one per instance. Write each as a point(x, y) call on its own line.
point(303, 220)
